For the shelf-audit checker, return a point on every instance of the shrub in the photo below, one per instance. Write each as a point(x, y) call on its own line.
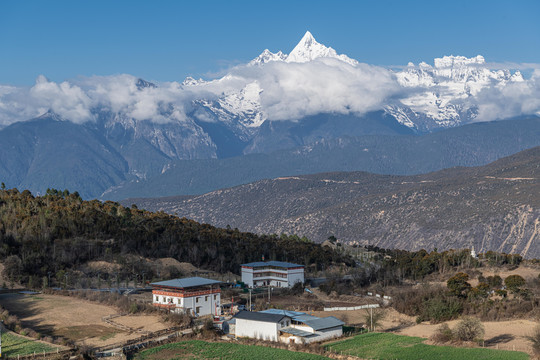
point(440, 309)
point(373, 318)
point(443, 334)
point(458, 284)
point(514, 282)
point(535, 340)
point(133, 308)
point(469, 329)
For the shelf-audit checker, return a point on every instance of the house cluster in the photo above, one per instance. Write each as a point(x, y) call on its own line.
point(199, 296)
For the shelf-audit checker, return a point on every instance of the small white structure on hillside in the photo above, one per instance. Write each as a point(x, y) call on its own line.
point(287, 326)
point(473, 253)
point(272, 273)
point(194, 296)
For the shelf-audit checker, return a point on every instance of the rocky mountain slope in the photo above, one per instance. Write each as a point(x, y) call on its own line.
point(468, 145)
point(493, 207)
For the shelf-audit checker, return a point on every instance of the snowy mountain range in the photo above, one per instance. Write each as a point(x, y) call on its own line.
point(276, 101)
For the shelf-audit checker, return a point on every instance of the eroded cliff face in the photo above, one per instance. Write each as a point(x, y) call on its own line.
point(494, 207)
point(413, 227)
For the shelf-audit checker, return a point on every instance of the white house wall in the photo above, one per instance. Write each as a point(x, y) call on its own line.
point(206, 303)
point(329, 333)
point(256, 329)
point(286, 278)
point(294, 276)
point(247, 276)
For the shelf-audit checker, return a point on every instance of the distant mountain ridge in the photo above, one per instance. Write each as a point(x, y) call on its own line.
point(493, 207)
point(469, 145)
point(120, 131)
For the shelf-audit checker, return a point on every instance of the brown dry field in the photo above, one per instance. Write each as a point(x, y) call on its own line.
point(76, 319)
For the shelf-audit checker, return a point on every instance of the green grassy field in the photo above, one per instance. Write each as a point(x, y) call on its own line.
point(13, 345)
point(196, 349)
point(390, 346)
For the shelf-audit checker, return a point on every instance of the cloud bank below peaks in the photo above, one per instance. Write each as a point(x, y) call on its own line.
point(312, 79)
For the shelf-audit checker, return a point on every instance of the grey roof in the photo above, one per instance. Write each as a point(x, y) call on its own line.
point(297, 332)
point(187, 282)
point(259, 316)
point(323, 323)
point(272, 263)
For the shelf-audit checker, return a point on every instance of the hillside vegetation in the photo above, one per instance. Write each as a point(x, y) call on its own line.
point(47, 236)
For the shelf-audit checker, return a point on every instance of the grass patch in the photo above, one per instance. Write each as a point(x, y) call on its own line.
point(13, 345)
point(107, 336)
point(390, 346)
point(196, 349)
point(80, 332)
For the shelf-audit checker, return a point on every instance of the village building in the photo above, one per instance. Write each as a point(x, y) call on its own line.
point(272, 273)
point(286, 326)
point(195, 296)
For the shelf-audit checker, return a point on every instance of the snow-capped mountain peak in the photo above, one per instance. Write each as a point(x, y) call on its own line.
point(267, 56)
point(309, 49)
point(456, 61)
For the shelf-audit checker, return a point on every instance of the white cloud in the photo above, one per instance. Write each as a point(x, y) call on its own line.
point(289, 91)
point(509, 100)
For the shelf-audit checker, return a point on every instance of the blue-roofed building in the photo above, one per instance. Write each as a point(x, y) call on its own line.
point(287, 326)
point(195, 296)
point(272, 273)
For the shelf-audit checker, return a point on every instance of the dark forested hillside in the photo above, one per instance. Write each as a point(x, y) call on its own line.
point(59, 231)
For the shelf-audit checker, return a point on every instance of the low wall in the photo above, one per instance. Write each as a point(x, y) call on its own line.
point(350, 308)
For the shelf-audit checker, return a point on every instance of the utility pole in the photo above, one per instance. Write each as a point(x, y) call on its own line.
point(371, 313)
point(269, 294)
point(249, 299)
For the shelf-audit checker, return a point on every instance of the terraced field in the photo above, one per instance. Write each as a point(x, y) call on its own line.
point(390, 346)
point(196, 349)
point(13, 345)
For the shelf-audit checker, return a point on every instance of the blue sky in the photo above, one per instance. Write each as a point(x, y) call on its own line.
point(169, 40)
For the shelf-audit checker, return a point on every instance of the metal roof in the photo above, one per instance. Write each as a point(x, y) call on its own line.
point(289, 313)
point(259, 316)
point(323, 323)
point(314, 322)
point(186, 282)
point(272, 263)
point(297, 332)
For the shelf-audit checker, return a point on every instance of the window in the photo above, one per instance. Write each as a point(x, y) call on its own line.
point(197, 300)
point(157, 298)
point(206, 298)
point(215, 297)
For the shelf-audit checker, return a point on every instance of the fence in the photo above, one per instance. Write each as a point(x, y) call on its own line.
point(350, 308)
point(58, 355)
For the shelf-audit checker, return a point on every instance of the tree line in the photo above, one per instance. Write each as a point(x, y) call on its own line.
point(44, 235)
